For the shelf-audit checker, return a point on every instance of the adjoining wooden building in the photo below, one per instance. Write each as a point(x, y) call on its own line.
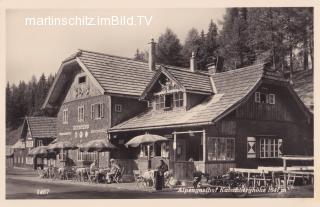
point(35, 131)
point(213, 120)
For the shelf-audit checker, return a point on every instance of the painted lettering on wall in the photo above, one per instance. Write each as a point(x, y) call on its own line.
point(79, 127)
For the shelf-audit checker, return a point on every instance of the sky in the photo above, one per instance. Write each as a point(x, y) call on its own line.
point(33, 50)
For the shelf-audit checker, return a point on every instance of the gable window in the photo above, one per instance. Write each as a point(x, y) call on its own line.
point(65, 116)
point(160, 102)
point(97, 111)
point(172, 100)
point(82, 79)
point(118, 108)
point(81, 114)
point(272, 98)
point(270, 148)
point(257, 97)
point(168, 100)
point(178, 99)
point(265, 98)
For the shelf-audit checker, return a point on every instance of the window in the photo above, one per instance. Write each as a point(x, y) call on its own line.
point(221, 148)
point(65, 116)
point(81, 114)
point(97, 111)
point(257, 97)
point(160, 102)
point(172, 100)
point(178, 99)
point(168, 101)
point(270, 148)
point(39, 143)
point(265, 98)
point(118, 108)
point(87, 156)
point(156, 150)
point(82, 79)
point(63, 155)
point(164, 150)
point(149, 103)
point(272, 98)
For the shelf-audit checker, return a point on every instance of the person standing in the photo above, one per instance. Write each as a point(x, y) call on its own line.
point(162, 168)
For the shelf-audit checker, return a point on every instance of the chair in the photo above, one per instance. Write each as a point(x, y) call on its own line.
point(92, 177)
point(41, 173)
point(291, 180)
point(139, 179)
point(118, 176)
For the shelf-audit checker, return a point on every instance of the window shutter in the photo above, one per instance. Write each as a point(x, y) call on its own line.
point(251, 147)
point(280, 148)
point(92, 111)
point(102, 110)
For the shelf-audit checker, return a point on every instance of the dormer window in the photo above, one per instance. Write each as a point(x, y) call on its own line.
point(82, 79)
point(170, 100)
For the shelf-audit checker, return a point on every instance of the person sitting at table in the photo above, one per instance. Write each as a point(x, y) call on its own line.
point(114, 170)
point(94, 170)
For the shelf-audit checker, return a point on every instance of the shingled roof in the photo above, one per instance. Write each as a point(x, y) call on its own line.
point(193, 81)
point(42, 127)
point(231, 88)
point(121, 75)
point(116, 74)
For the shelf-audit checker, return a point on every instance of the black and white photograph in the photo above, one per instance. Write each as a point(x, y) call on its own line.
point(160, 103)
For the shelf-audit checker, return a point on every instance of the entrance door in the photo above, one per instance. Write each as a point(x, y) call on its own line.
point(188, 149)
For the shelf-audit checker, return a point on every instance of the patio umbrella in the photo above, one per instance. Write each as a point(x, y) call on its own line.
point(65, 145)
point(99, 145)
point(41, 150)
point(145, 139)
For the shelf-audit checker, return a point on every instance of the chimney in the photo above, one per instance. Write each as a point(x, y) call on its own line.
point(212, 67)
point(193, 63)
point(152, 55)
point(216, 66)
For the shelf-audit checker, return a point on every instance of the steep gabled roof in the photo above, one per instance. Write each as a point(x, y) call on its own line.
point(42, 127)
point(232, 87)
point(117, 75)
point(194, 82)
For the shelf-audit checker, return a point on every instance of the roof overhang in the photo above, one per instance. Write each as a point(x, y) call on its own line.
point(61, 83)
point(161, 127)
point(155, 78)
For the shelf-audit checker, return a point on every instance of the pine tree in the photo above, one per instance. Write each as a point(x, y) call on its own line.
point(169, 49)
point(191, 44)
point(42, 90)
point(9, 105)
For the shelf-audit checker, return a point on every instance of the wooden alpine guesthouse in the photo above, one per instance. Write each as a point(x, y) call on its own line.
point(213, 120)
